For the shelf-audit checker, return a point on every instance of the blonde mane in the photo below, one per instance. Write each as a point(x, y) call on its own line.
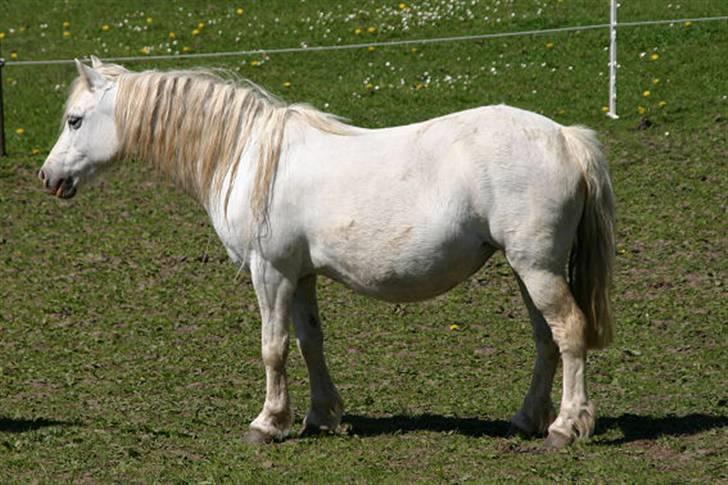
point(194, 127)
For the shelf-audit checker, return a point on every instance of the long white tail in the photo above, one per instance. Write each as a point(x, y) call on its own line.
point(592, 256)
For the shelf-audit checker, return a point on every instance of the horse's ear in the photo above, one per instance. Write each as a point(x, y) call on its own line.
point(96, 62)
point(91, 78)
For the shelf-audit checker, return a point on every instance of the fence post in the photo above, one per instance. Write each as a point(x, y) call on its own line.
point(612, 113)
point(3, 152)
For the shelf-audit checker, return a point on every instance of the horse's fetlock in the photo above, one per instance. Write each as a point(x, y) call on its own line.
point(325, 414)
point(576, 422)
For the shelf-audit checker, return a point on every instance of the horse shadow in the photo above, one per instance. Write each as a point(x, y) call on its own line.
point(637, 428)
point(398, 424)
point(633, 427)
point(10, 425)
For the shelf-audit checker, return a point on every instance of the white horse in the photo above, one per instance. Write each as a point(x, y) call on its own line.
point(400, 214)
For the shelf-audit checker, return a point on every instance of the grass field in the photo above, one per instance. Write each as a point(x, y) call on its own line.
point(129, 351)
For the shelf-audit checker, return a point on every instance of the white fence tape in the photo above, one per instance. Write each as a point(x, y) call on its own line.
point(612, 26)
point(437, 40)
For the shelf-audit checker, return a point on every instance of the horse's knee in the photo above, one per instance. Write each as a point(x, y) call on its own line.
point(275, 353)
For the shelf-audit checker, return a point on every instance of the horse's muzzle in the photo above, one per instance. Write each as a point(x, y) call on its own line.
point(63, 188)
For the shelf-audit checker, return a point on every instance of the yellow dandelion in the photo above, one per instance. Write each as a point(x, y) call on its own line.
point(370, 86)
point(195, 31)
point(646, 93)
point(13, 55)
point(662, 104)
point(371, 48)
point(105, 28)
point(654, 56)
point(419, 86)
point(402, 6)
point(549, 45)
point(172, 35)
point(641, 110)
point(20, 131)
point(287, 84)
point(655, 81)
point(413, 50)
point(35, 151)
point(358, 30)
point(150, 20)
point(200, 25)
point(605, 109)
point(255, 63)
point(688, 23)
point(66, 24)
point(186, 49)
point(66, 34)
point(454, 327)
point(371, 30)
point(239, 11)
point(2, 35)
point(145, 50)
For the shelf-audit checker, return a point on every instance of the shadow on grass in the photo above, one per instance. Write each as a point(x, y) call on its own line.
point(368, 426)
point(635, 427)
point(8, 425)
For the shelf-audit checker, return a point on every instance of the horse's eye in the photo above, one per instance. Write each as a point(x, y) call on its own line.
point(75, 122)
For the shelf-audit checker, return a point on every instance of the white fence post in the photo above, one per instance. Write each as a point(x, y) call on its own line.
point(612, 113)
point(3, 151)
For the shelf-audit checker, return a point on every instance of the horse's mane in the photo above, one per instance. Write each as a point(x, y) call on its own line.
point(194, 125)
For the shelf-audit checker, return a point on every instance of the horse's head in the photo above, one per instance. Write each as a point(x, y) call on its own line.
point(88, 138)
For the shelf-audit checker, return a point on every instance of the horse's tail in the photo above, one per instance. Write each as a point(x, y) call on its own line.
point(592, 256)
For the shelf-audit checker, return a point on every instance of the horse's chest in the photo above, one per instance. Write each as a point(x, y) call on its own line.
point(231, 237)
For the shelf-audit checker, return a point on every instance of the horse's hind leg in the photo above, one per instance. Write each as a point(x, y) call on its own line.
point(537, 411)
point(326, 405)
point(551, 296)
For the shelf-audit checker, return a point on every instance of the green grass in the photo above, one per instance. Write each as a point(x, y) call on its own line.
point(129, 351)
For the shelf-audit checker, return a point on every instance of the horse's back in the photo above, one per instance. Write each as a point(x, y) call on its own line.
point(508, 169)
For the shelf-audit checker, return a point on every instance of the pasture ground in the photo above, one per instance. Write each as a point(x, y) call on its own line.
point(130, 352)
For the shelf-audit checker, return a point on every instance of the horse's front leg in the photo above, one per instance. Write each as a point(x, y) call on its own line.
point(275, 297)
point(326, 405)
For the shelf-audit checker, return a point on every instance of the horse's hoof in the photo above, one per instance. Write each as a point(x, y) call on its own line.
point(514, 430)
point(257, 437)
point(309, 430)
point(523, 427)
point(557, 440)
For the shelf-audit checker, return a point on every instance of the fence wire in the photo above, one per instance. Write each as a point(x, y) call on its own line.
point(322, 48)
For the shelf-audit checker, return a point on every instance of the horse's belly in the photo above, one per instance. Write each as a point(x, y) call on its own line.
point(411, 274)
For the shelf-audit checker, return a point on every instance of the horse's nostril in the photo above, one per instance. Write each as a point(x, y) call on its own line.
point(41, 174)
